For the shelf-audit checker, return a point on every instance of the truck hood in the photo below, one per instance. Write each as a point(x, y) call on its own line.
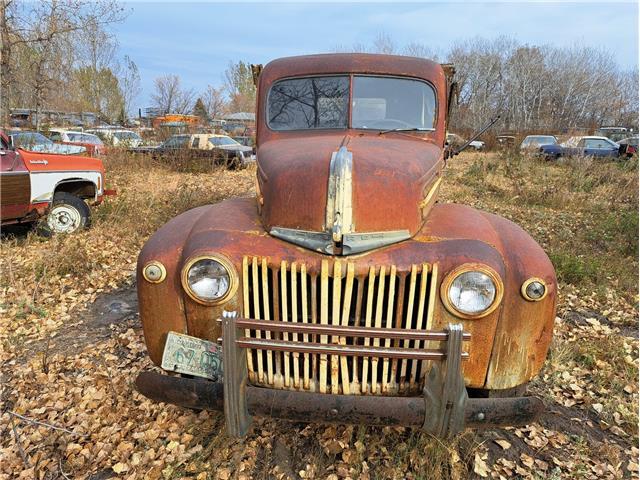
point(364, 186)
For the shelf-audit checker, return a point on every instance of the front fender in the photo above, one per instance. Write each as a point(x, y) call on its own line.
point(508, 346)
point(524, 328)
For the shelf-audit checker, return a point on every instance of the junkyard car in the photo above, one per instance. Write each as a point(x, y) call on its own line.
point(36, 142)
point(455, 140)
point(343, 292)
point(613, 133)
point(586, 147)
point(51, 187)
point(532, 143)
point(91, 142)
point(630, 145)
point(118, 137)
point(221, 149)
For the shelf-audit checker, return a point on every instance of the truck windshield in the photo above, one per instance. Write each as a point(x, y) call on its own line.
point(383, 103)
point(378, 103)
point(304, 103)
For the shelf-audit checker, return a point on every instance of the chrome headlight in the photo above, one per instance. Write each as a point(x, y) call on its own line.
point(209, 280)
point(472, 291)
point(534, 289)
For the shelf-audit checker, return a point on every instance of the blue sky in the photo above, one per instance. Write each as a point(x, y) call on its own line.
point(198, 40)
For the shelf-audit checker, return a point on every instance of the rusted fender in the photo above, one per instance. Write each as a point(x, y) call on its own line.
point(509, 345)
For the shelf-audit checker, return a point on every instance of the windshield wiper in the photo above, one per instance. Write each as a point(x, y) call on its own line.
point(409, 129)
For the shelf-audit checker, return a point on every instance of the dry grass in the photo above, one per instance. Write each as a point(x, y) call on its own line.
point(584, 214)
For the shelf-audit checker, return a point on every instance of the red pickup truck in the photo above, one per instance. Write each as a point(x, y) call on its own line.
point(57, 187)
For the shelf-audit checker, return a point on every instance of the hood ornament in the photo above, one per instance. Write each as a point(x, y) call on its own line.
point(339, 236)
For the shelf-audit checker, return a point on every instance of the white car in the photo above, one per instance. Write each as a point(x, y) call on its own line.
point(477, 144)
point(119, 137)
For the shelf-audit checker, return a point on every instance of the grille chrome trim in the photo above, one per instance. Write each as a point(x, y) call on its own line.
point(311, 326)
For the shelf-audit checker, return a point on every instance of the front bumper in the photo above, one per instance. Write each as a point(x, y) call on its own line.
point(345, 409)
point(443, 410)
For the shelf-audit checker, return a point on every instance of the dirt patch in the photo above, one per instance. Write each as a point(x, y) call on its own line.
point(112, 312)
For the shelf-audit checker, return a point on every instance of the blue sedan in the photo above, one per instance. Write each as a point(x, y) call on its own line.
point(586, 147)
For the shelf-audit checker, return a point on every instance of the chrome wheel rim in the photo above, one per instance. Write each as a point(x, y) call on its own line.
point(64, 219)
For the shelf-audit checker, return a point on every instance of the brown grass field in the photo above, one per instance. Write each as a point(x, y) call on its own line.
point(71, 344)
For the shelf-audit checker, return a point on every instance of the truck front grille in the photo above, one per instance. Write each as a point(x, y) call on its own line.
point(381, 298)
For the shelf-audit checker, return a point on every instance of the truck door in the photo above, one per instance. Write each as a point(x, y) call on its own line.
point(15, 185)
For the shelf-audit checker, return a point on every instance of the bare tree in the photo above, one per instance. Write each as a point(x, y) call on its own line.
point(238, 84)
point(41, 30)
point(129, 83)
point(214, 102)
point(170, 97)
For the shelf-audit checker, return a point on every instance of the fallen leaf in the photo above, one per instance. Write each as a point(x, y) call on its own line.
point(480, 467)
point(503, 443)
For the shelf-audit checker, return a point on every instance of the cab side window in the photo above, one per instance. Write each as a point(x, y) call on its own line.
point(55, 136)
point(196, 142)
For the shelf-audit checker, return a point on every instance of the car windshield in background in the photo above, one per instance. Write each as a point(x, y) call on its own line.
point(221, 141)
point(309, 103)
point(540, 140)
point(126, 135)
point(178, 141)
point(379, 103)
point(22, 139)
point(392, 103)
point(84, 138)
point(600, 143)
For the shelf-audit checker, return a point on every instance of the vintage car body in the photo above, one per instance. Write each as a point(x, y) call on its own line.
point(219, 149)
point(591, 146)
point(339, 304)
point(36, 185)
point(36, 142)
point(90, 141)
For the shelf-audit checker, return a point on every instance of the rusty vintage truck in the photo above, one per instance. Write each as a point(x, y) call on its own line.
point(343, 291)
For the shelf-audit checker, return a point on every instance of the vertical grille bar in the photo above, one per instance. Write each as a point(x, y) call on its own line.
point(367, 323)
point(275, 281)
point(314, 319)
point(324, 320)
point(358, 322)
point(284, 309)
point(247, 313)
point(417, 343)
point(377, 324)
point(335, 320)
point(256, 306)
point(408, 320)
point(346, 309)
point(294, 318)
point(265, 308)
point(389, 324)
point(305, 337)
point(399, 321)
point(429, 326)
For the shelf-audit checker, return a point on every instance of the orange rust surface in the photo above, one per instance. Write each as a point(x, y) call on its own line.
point(232, 228)
point(391, 173)
point(392, 177)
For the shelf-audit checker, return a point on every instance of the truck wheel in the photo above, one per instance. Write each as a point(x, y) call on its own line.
point(67, 214)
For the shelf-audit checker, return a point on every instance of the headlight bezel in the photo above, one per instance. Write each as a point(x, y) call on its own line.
point(465, 268)
point(160, 266)
point(529, 281)
point(226, 264)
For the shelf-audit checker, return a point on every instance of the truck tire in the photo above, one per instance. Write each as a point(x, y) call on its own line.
point(67, 214)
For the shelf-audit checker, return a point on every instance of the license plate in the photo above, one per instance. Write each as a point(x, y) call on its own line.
point(192, 356)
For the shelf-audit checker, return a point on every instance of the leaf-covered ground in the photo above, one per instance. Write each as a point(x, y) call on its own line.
point(71, 345)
